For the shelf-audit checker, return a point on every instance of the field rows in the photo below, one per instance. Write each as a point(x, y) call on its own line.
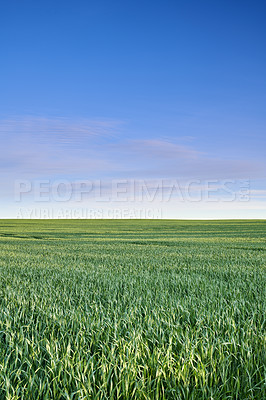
point(132, 309)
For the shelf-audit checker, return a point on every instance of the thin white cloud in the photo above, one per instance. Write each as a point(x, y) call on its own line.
point(159, 158)
point(38, 147)
point(257, 192)
point(163, 149)
point(64, 130)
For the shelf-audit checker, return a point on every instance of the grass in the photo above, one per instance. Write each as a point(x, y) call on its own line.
point(132, 309)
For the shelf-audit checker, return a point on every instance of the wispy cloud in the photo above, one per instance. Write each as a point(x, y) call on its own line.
point(160, 158)
point(258, 194)
point(41, 147)
point(163, 149)
point(64, 130)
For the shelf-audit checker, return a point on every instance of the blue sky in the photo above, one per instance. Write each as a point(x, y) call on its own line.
point(139, 91)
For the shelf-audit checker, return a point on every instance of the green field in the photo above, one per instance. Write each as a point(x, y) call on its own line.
point(97, 309)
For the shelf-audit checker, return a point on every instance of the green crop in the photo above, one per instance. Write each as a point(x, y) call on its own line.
point(132, 309)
